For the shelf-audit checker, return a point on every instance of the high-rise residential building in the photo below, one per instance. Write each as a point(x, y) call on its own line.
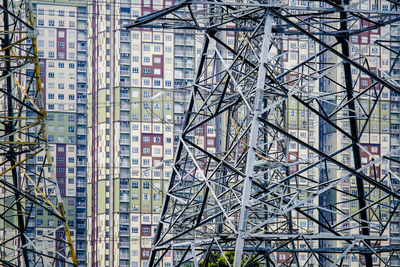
point(62, 48)
point(376, 138)
point(116, 100)
point(130, 129)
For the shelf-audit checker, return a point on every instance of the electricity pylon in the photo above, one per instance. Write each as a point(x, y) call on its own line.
point(301, 91)
point(27, 181)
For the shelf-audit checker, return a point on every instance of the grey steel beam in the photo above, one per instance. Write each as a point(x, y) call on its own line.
point(254, 132)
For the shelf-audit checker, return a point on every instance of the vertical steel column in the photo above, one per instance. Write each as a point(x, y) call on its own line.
point(255, 124)
point(10, 129)
point(344, 40)
point(177, 157)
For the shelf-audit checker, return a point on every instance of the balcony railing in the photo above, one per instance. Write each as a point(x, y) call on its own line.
point(81, 120)
point(124, 221)
point(124, 198)
point(124, 232)
point(81, 142)
point(124, 38)
point(124, 141)
point(124, 187)
point(124, 244)
point(81, 216)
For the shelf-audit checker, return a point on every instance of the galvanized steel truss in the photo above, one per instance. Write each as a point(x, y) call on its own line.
point(250, 195)
point(27, 181)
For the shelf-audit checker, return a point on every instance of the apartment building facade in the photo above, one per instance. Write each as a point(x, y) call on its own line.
point(377, 138)
point(62, 48)
point(116, 100)
point(131, 131)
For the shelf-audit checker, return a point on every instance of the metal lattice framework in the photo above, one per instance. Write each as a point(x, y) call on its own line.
point(252, 195)
point(26, 180)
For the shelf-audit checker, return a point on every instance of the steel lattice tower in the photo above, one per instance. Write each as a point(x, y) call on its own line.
point(26, 182)
point(249, 197)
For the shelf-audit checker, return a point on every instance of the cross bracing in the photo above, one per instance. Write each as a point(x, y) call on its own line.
point(26, 184)
point(252, 196)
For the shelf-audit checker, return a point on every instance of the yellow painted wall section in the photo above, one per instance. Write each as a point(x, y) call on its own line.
point(89, 200)
point(116, 195)
point(101, 197)
point(101, 106)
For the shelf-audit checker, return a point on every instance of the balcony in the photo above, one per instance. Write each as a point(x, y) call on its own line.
point(81, 131)
point(82, 36)
point(394, 263)
point(124, 208)
point(125, 61)
point(124, 263)
point(81, 69)
point(81, 121)
point(81, 163)
point(81, 247)
point(81, 194)
point(81, 205)
point(81, 100)
point(124, 141)
point(81, 109)
point(395, 131)
point(81, 57)
point(81, 25)
point(186, 42)
point(81, 256)
point(184, 65)
point(124, 187)
point(82, 15)
point(124, 152)
point(124, 39)
point(81, 142)
point(124, 198)
point(180, 53)
point(81, 184)
point(125, 50)
point(124, 232)
point(81, 216)
point(125, 95)
point(81, 173)
point(124, 221)
point(124, 165)
point(81, 79)
point(125, 106)
point(125, 16)
point(124, 129)
point(124, 244)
